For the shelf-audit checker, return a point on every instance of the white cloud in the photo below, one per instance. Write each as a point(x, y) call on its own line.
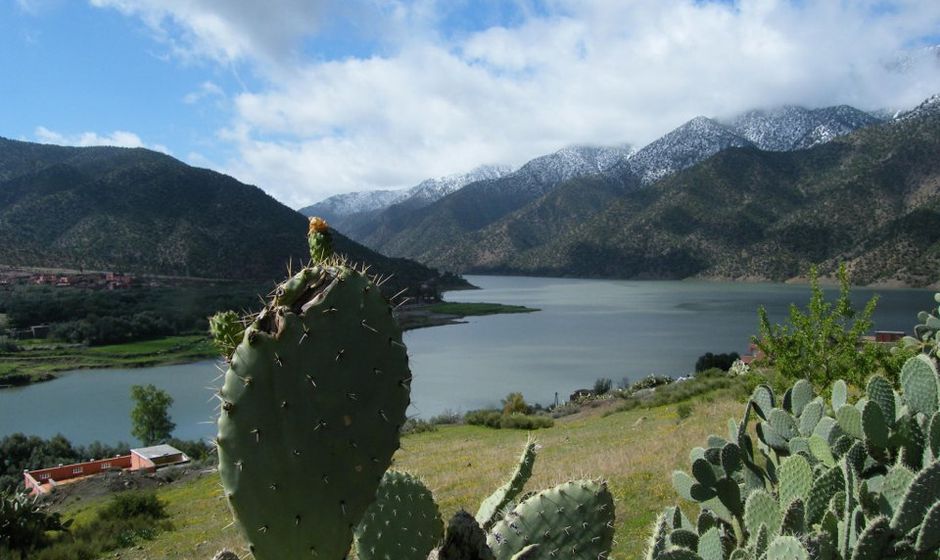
point(119, 138)
point(205, 90)
point(225, 31)
point(433, 101)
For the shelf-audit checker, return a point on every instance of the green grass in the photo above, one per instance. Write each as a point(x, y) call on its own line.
point(470, 309)
point(635, 451)
point(41, 360)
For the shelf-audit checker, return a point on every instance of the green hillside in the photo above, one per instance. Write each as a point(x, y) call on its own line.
point(463, 464)
point(870, 199)
point(135, 210)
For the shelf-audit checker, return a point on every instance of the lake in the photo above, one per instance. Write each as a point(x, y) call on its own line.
point(586, 329)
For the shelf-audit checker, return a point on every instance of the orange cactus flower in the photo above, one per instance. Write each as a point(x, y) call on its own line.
point(318, 225)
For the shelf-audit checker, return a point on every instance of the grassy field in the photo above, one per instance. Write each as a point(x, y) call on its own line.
point(635, 451)
point(40, 360)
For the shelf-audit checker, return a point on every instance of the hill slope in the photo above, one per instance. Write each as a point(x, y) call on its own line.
point(871, 199)
point(140, 211)
point(490, 223)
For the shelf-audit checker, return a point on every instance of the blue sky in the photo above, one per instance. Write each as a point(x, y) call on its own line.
point(308, 98)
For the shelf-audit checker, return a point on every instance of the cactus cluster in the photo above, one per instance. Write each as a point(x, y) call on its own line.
point(316, 392)
point(927, 332)
point(311, 408)
point(573, 519)
point(823, 480)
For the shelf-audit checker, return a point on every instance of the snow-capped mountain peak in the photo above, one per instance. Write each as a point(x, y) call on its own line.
point(929, 106)
point(572, 161)
point(687, 145)
point(422, 194)
point(429, 190)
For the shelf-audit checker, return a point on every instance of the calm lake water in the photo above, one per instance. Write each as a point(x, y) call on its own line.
point(586, 329)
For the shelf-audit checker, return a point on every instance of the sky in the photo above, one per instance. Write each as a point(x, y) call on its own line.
point(310, 98)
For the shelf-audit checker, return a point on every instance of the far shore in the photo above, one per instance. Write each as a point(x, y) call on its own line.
point(40, 360)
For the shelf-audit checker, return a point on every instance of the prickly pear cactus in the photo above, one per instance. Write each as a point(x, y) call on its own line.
point(403, 523)
point(227, 331)
point(572, 520)
point(492, 507)
point(465, 540)
point(311, 407)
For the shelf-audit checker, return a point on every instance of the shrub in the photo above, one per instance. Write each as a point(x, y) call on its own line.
point(134, 504)
point(496, 419)
point(649, 382)
point(24, 523)
point(446, 417)
point(822, 343)
point(7, 345)
point(720, 361)
point(683, 411)
point(417, 426)
point(489, 418)
point(128, 518)
point(563, 410)
point(525, 422)
point(514, 403)
point(602, 386)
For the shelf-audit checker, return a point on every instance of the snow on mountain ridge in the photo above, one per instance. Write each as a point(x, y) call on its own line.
point(570, 162)
point(425, 192)
point(685, 146)
point(928, 106)
point(785, 128)
point(791, 127)
point(348, 203)
point(429, 190)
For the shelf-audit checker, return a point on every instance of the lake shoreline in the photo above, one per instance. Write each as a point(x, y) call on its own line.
point(47, 361)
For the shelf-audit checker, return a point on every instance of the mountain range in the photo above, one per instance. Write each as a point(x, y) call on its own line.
point(761, 196)
point(136, 210)
point(349, 208)
point(870, 199)
point(497, 225)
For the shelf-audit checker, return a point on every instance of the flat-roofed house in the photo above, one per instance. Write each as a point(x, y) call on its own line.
point(146, 459)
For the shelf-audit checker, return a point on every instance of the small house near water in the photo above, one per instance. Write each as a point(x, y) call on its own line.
point(143, 459)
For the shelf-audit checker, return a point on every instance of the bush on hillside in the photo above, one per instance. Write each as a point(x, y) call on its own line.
point(821, 344)
point(721, 361)
point(496, 419)
point(514, 403)
point(602, 386)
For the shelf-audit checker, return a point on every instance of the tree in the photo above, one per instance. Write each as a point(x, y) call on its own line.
point(824, 343)
point(150, 419)
point(514, 403)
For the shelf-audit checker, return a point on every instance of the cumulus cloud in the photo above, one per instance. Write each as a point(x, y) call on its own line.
point(119, 138)
point(436, 100)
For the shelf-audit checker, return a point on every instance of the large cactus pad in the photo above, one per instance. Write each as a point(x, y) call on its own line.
point(572, 520)
point(311, 408)
point(403, 523)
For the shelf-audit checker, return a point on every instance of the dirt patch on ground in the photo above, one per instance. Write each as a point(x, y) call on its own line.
point(106, 484)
